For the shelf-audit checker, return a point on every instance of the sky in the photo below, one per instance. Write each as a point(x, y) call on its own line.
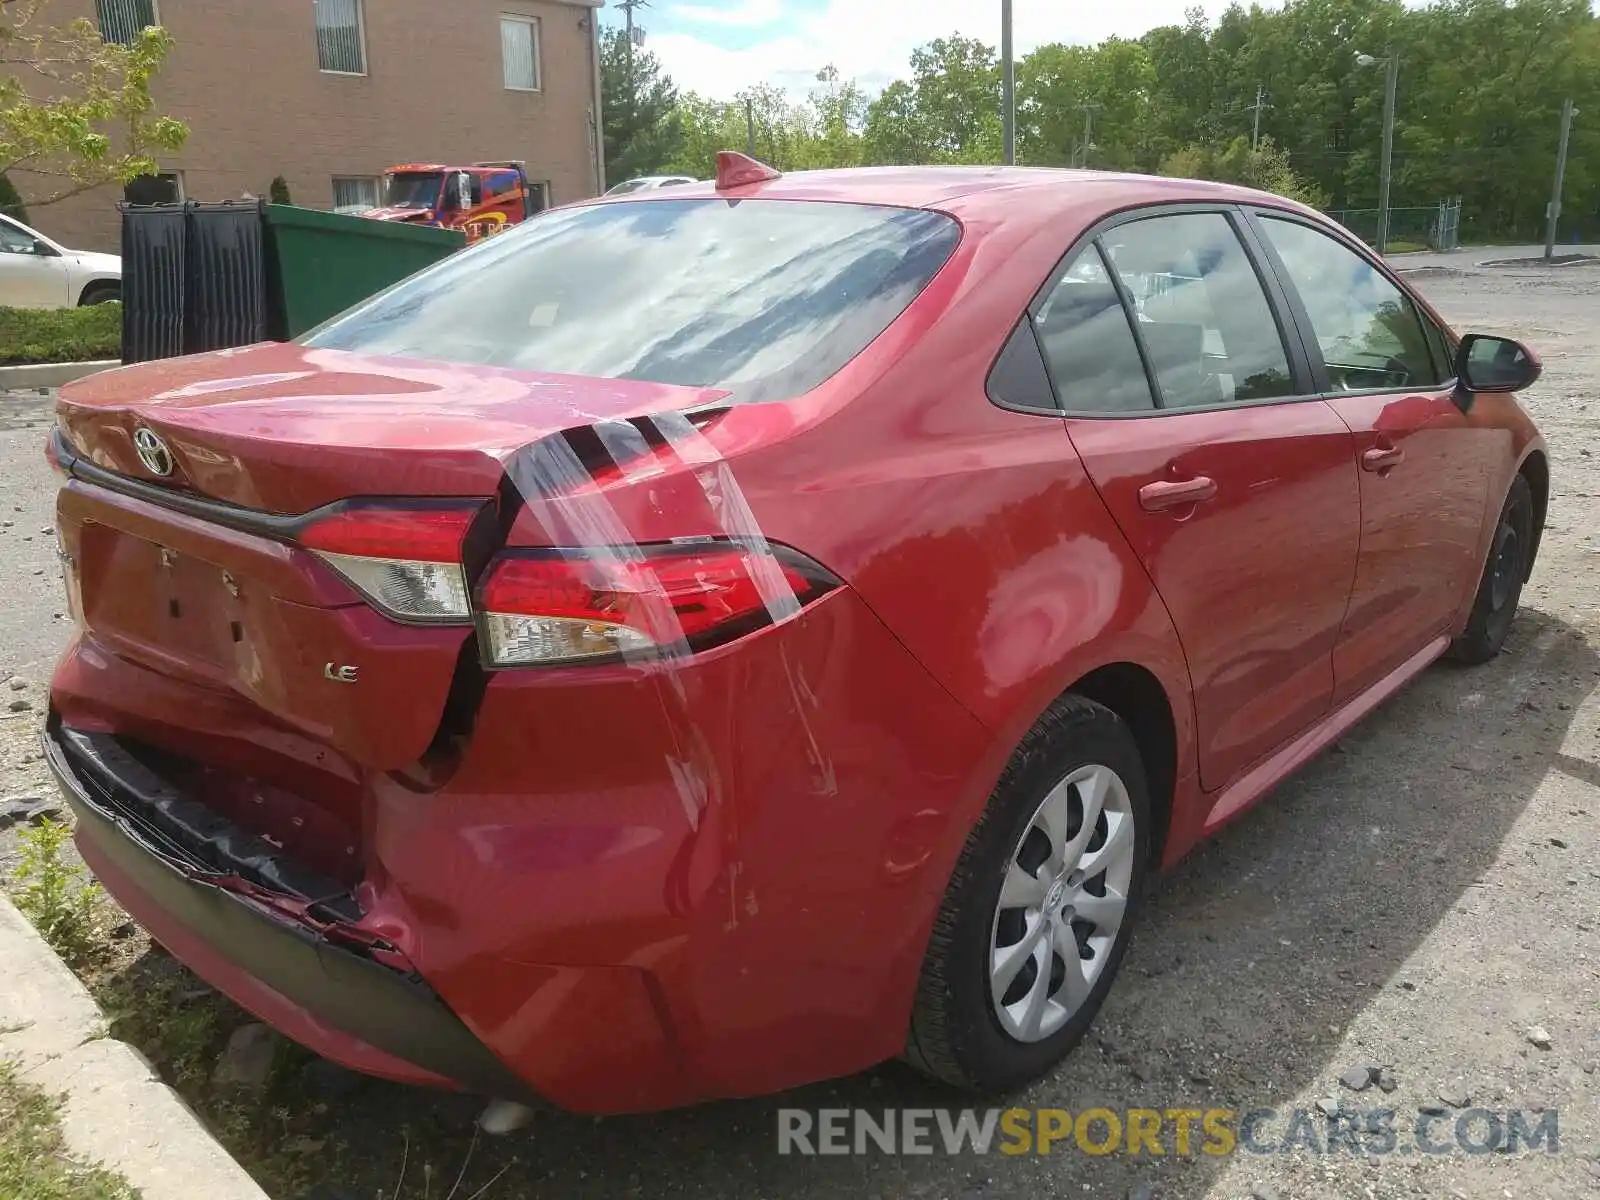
point(718, 47)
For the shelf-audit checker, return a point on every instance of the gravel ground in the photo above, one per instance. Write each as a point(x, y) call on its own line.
point(1425, 899)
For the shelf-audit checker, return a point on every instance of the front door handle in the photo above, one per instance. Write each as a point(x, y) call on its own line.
point(1381, 458)
point(1175, 493)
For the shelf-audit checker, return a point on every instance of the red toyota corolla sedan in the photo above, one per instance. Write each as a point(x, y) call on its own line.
point(706, 641)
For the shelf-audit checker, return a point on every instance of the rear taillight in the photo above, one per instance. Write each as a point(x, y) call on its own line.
point(547, 607)
point(405, 561)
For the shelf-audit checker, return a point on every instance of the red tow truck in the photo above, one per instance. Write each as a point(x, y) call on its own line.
point(482, 199)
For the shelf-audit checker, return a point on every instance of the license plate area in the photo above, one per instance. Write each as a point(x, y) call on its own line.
point(175, 606)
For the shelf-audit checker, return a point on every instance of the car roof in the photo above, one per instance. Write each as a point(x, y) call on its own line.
point(962, 190)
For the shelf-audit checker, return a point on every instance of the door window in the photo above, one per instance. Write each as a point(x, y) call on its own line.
point(1087, 343)
point(1202, 313)
point(1369, 332)
point(16, 241)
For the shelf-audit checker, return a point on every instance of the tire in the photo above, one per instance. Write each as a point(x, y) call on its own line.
point(100, 293)
point(961, 1032)
point(1500, 588)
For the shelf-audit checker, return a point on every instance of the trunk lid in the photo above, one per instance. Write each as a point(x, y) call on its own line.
point(184, 589)
point(285, 429)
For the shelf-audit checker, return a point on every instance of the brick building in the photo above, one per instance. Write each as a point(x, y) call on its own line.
point(328, 93)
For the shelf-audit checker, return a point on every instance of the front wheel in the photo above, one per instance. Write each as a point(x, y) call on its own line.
point(1500, 589)
point(100, 293)
point(1036, 917)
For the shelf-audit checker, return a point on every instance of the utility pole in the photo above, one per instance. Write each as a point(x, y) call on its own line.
point(750, 125)
point(1391, 81)
point(635, 37)
point(1088, 133)
point(1567, 113)
point(1008, 84)
point(1261, 103)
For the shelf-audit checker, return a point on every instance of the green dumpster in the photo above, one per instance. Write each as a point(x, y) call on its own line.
point(321, 263)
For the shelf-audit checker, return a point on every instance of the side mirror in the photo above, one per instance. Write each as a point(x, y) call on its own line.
point(1495, 364)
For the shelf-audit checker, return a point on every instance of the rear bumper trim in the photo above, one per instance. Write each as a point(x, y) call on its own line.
point(395, 1013)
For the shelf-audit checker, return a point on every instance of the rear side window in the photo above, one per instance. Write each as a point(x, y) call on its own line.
point(1087, 343)
point(763, 298)
point(1202, 313)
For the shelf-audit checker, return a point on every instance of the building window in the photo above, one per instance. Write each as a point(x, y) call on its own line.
point(354, 193)
point(165, 188)
point(121, 21)
point(341, 37)
point(519, 50)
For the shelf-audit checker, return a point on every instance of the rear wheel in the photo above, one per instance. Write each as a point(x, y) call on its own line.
point(1035, 921)
point(100, 293)
point(1500, 589)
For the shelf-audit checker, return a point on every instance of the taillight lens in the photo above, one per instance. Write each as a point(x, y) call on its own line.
point(405, 561)
point(548, 607)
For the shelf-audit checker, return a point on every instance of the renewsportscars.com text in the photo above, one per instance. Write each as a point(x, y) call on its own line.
point(1172, 1131)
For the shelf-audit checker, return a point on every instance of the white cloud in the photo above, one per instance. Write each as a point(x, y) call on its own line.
point(873, 42)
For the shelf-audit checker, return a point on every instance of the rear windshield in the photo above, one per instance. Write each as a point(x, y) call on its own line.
point(762, 298)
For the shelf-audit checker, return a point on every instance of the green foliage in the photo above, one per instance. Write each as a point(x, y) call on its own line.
point(278, 192)
point(1480, 89)
point(10, 200)
point(54, 894)
point(54, 335)
point(75, 111)
point(643, 127)
point(1265, 168)
point(33, 1160)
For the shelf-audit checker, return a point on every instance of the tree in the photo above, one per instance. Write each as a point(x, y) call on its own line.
point(75, 110)
point(278, 192)
point(10, 201)
point(1265, 168)
point(643, 124)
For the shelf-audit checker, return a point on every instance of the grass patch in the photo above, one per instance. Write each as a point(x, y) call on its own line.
point(33, 1162)
point(56, 335)
point(52, 894)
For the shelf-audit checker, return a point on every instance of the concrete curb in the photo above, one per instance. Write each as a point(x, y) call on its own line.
point(48, 375)
point(116, 1111)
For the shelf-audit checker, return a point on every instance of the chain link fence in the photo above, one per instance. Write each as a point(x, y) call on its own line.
point(1433, 227)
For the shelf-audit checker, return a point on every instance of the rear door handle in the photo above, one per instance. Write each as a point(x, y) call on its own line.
point(1382, 458)
point(1175, 493)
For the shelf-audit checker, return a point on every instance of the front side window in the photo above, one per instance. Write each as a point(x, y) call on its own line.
point(519, 52)
point(16, 241)
point(121, 21)
point(1088, 344)
point(1367, 329)
point(761, 298)
point(341, 37)
point(1202, 313)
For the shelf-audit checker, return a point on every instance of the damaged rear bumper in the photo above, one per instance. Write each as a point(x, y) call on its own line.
point(273, 935)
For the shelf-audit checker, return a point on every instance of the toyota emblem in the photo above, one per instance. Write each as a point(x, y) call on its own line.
point(153, 452)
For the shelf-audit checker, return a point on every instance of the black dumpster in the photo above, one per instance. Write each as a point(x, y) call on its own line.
point(153, 281)
point(193, 278)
